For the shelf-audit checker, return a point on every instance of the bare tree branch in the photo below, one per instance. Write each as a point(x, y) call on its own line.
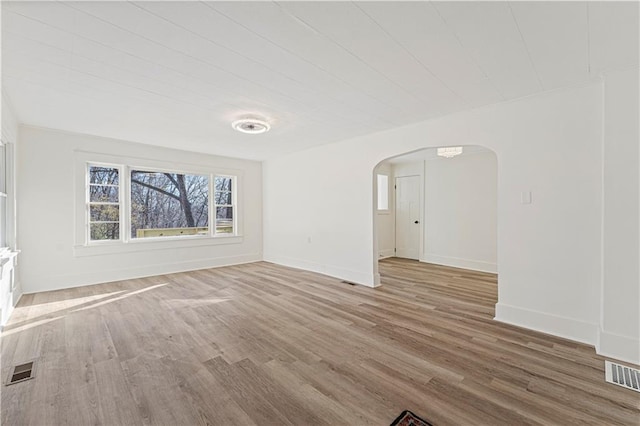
point(171, 178)
point(155, 188)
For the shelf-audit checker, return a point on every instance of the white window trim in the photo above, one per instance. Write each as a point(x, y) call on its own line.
point(84, 247)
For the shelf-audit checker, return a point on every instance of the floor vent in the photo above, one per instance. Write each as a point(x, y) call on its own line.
point(21, 373)
point(347, 282)
point(622, 375)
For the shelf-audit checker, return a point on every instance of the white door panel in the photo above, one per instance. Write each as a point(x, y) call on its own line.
point(408, 217)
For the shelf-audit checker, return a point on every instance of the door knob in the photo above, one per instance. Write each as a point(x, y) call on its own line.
point(416, 221)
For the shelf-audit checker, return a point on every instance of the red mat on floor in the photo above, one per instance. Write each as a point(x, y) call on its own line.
point(407, 418)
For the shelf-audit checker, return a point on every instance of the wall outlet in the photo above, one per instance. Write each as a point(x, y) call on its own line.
point(525, 197)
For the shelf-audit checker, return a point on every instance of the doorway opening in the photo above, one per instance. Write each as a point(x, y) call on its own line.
point(442, 209)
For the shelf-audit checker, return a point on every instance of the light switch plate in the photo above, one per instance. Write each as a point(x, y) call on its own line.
point(525, 197)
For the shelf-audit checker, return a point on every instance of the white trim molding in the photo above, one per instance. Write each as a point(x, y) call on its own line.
point(456, 262)
point(58, 282)
point(568, 328)
point(383, 254)
point(351, 276)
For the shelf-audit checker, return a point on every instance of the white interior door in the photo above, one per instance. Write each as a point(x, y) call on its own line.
point(408, 217)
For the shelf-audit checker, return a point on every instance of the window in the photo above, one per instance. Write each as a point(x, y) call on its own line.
point(104, 203)
point(168, 204)
point(125, 204)
point(383, 192)
point(223, 195)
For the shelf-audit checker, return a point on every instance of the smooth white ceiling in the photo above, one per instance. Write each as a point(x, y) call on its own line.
point(176, 74)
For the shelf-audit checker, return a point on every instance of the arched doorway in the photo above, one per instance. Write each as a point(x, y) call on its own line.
point(439, 209)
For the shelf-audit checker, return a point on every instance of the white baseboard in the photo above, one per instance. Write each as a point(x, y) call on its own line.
point(356, 277)
point(39, 283)
point(564, 327)
point(457, 262)
point(622, 348)
point(383, 254)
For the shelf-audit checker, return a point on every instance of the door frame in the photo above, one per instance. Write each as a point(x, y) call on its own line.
point(416, 170)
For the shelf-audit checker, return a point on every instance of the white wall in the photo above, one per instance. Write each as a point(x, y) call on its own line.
point(548, 252)
point(50, 258)
point(460, 203)
point(620, 327)
point(385, 220)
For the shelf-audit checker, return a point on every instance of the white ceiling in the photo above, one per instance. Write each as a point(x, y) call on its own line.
point(176, 74)
point(432, 153)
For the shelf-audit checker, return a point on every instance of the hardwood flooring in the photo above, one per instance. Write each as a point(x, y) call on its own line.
point(261, 344)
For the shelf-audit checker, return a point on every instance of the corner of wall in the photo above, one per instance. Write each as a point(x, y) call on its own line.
point(622, 348)
point(372, 280)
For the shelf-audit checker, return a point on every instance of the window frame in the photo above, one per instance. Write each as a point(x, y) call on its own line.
point(84, 246)
point(88, 201)
point(215, 205)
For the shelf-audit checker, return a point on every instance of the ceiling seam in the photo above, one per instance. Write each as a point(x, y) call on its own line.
point(113, 66)
point(187, 55)
point(308, 62)
point(64, 91)
point(402, 46)
point(365, 63)
point(32, 82)
point(237, 53)
point(211, 41)
point(467, 50)
point(526, 47)
point(130, 54)
point(588, 39)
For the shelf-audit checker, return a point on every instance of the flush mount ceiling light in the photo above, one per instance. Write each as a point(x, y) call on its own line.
point(450, 152)
point(252, 126)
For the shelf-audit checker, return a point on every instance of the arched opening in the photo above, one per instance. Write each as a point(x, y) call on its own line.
point(438, 208)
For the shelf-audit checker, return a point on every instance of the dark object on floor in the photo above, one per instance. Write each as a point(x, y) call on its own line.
point(407, 418)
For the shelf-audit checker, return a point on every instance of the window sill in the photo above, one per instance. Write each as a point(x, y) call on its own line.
point(161, 243)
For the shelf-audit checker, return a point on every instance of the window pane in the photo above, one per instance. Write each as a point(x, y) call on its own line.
point(105, 231)
point(224, 220)
point(224, 213)
point(103, 175)
point(223, 183)
point(168, 204)
point(103, 194)
point(104, 213)
point(383, 192)
point(223, 198)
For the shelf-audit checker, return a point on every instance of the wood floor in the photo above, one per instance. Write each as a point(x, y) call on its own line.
point(268, 345)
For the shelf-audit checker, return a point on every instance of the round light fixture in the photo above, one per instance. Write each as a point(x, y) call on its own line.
point(252, 126)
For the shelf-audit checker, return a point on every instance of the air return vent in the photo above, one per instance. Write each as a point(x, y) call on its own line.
point(21, 373)
point(622, 375)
